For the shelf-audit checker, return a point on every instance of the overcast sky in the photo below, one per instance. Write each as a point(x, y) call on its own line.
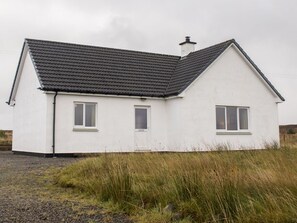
point(266, 29)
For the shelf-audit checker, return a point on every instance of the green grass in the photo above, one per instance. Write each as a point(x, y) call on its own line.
point(243, 186)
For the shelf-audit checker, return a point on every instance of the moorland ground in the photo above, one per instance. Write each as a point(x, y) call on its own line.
point(244, 186)
point(223, 186)
point(27, 195)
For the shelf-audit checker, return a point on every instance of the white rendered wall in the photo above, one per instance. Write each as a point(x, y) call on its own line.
point(29, 112)
point(116, 127)
point(229, 81)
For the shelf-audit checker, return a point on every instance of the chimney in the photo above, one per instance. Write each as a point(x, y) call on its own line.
point(187, 47)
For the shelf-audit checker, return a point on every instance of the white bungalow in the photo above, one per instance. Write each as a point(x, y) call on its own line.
point(70, 98)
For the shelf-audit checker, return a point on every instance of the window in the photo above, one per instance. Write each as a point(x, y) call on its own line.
point(85, 115)
point(79, 112)
point(140, 118)
point(232, 118)
point(220, 112)
point(243, 118)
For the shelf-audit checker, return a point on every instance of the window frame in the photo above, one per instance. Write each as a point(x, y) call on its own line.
point(83, 126)
point(238, 119)
point(148, 118)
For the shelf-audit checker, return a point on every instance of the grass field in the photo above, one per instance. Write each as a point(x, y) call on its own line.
point(242, 186)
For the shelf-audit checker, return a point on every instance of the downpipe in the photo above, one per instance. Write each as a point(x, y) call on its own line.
point(54, 124)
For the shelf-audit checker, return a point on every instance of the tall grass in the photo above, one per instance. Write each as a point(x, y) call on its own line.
point(242, 186)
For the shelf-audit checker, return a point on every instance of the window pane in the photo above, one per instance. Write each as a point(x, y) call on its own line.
point(78, 114)
point(231, 118)
point(243, 118)
point(140, 118)
point(90, 115)
point(220, 114)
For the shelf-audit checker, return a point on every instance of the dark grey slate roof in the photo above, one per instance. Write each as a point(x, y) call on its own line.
point(89, 69)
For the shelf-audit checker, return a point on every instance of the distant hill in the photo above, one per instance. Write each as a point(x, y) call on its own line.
point(284, 129)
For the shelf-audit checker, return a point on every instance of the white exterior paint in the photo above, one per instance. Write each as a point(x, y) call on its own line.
point(29, 111)
point(187, 48)
point(177, 124)
point(116, 125)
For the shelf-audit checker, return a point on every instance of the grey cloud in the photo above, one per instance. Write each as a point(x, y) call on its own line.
point(265, 29)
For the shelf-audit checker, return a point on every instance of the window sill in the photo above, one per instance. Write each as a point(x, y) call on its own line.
point(233, 133)
point(141, 130)
point(85, 130)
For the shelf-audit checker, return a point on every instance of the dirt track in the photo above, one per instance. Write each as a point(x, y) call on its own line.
point(24, 194)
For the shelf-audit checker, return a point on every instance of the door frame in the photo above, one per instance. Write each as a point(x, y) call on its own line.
point(146, 131)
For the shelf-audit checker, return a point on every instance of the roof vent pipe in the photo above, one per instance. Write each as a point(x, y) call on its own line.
point(187, 47)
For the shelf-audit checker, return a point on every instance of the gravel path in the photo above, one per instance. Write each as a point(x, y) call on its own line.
point(24, 196)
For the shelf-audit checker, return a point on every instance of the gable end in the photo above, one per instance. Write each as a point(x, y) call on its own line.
point(259, 71)
point(249, 60)
point(24, 52)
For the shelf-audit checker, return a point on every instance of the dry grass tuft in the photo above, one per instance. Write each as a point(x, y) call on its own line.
point(242, 186)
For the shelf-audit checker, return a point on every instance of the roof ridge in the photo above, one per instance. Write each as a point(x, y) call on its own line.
point(102, 47)
point(227, 41)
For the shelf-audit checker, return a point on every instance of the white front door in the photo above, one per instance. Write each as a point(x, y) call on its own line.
point(142, 128)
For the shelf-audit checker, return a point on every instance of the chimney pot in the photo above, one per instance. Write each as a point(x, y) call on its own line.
point(187, 46)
